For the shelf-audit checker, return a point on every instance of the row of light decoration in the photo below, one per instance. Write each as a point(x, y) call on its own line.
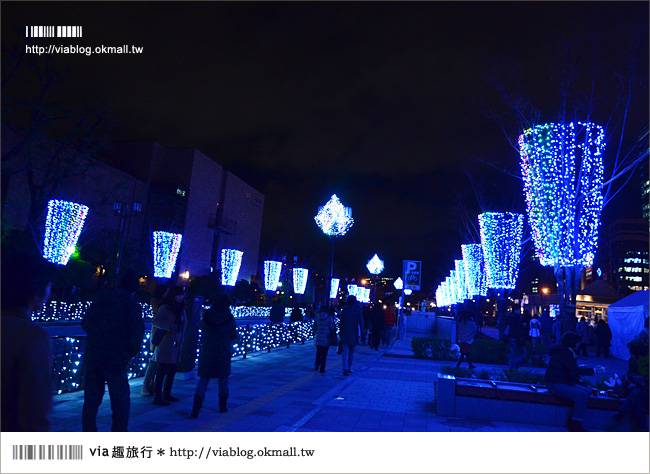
point(474, 270)
point(68, 364)
point(501, 234)
point(493, 264)
point(563, 190)
point(300, 280)
point(165, 252)
point(63, 226)
point(334, 288)
point(272, 270)
point(230, 265)
point(55, 310)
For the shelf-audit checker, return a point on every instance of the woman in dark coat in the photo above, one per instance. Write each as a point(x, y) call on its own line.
point(171, 319)
point(603, 338)
point(218, 330)
point(323, 326)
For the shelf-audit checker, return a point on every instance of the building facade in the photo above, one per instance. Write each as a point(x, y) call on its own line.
point(628, 253)
point(175, 190)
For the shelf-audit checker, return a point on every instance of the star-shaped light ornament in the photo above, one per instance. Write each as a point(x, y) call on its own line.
point(333, 218)
point(375, 265)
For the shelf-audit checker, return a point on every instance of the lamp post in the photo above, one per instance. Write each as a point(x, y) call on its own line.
point(334, 220)
point(123, 211)
point(544, 293)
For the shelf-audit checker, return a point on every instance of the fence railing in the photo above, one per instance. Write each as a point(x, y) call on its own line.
point(67, 372)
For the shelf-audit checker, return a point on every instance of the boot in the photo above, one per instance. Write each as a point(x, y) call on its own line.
point(198, 404)
point(223, 399)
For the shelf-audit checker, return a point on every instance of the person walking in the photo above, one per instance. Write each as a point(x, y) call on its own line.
point(582, 330)
point(26, 346)
point(535, 330)
point(377, 328)
point(515, 334)
point(603, 338)
point(562, 377)
point(465, 331)
point(171, 319)
point(156, 300)
point(366, 336)
point(390, 321)
point(351, 325)
point(323, 328)
point(557, 330)
point(115, 330)
point(546, 330)
point(218, 331)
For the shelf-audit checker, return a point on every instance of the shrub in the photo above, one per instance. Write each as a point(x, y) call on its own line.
point(427, 348)
point(489, 351)
point(523, 376)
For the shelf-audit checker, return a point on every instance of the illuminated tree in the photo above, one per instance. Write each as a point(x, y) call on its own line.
point(62, 228)
point(165, 252)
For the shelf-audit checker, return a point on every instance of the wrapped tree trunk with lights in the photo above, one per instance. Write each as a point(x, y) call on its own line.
point(562, 171)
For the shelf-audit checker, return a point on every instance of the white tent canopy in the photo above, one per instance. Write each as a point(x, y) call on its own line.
point(626, 318)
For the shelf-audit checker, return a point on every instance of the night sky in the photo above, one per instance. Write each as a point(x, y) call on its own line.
point(384, 104)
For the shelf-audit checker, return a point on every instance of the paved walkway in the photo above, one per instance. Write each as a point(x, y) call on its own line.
point(280, 391)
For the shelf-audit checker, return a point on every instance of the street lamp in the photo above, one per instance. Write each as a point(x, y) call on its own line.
point(544, 293)
point(375, 266)
point(334, 220)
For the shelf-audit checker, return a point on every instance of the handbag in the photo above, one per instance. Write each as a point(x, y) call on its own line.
point(332, 339)
point(158, 335)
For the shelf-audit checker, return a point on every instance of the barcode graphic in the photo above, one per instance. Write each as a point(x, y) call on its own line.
point(49, 451)
point(53, 31)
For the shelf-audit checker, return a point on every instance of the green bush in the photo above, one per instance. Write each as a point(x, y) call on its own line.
point(523, 376)
point(489, 351)
point(427, 348)
point(520, 376)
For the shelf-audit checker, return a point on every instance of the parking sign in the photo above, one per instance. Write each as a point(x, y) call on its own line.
point(411, 271)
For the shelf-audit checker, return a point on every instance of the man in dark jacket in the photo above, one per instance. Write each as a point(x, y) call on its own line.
point(562, 377)
point(26, 347)
point(351, 326)
point(603, 338)
point(115, 330)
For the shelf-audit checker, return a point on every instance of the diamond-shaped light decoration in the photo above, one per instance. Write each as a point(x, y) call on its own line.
point(333, 218)
point(375, 265)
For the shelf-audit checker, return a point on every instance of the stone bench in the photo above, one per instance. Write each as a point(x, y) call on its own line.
point(515, 403)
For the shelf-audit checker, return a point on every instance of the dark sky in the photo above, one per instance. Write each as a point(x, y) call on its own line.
point(380, 103)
